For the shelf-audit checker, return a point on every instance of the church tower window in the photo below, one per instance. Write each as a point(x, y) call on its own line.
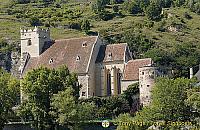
point(29, 42)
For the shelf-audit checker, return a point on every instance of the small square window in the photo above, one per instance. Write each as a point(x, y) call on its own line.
point(148, 85)
point(83, 93)
point(142, 73)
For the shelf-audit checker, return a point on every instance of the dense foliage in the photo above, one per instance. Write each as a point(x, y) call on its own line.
point(39, 86)
point(9, 96)
point(172, 100)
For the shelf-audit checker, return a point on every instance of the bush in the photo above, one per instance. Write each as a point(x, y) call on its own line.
point(85, 26)
point(153, 11)
point(74, 25)
point(34, 21)
point(187, 16)
point(132, 7)
point(105, 15)
point(115, 8)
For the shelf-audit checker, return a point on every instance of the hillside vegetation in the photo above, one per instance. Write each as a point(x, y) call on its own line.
point(166, 31)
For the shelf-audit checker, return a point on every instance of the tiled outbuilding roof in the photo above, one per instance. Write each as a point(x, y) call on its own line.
point(131, 71)
point(74, 53)
point(112, 52)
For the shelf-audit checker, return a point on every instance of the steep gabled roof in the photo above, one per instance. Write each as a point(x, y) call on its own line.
point(111, 52)
point(74, 53)
point(131, 71)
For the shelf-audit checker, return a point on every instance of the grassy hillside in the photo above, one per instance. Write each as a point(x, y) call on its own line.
point(10, 24)
point(64, 22)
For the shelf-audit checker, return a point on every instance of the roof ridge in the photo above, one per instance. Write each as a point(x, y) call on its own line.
point(74, 38)
point(116, 44)
point(139, 59)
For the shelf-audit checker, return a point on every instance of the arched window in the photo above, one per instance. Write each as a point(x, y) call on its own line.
point(108, 83)
point(29, 42)
point(119, 76)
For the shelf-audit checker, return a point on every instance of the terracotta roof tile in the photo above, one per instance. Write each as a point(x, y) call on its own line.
point(69, 52)
point(131, 71)
point(112, 52)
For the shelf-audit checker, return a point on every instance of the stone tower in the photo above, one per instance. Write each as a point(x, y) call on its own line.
point(33, 41)
point(147, 77)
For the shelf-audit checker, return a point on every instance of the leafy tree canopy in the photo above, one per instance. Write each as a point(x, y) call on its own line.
point(39, 86)
point(9, 96)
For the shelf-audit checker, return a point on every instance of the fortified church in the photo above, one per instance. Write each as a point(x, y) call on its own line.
point(102, 70)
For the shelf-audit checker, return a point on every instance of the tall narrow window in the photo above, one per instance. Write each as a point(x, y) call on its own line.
point(108, 84)
point(118, 81)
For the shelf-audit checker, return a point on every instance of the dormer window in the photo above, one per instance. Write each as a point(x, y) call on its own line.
point(29, 42)
point(110, 54)
point(78, 58)
point(51, 61)
point(84, 44)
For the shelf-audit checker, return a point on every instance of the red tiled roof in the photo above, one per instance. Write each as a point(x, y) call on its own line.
point(131, 71)
point(112, 52)
point(66, 52)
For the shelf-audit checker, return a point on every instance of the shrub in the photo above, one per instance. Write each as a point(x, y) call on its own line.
point(85, 25)
point(74, 25)
point(115, 8)
point(132, 7)
point(105, 15)
point(187, 16)
point(34, 21)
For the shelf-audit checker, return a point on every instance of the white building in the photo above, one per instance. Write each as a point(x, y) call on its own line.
point(103, 70)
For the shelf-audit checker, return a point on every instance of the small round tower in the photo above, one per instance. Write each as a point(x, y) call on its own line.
point(147, 77)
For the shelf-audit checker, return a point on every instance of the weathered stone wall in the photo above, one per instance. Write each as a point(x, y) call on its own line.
point(125, 84)
point(102, 69)
point(84, 82)
point(147, 77)
point(32, 41)
point(92, 67)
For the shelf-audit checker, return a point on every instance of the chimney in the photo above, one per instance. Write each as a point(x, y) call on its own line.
point(191, 73)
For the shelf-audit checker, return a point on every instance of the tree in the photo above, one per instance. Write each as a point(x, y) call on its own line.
point(98, 6)
point(133, 7)
point(34, 21)
point(85, 25)
point(5, 52)
point(138, 43)
point(38, 87)
point(9, 96)
point(115, 8)
point(168, 101)
point(153, 11)
point(108, 107)
point(131, 94)
point(179, 3)
point(68, 112)
point(193, 101)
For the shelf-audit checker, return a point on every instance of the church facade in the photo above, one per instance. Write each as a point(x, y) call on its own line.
point(102, 70)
